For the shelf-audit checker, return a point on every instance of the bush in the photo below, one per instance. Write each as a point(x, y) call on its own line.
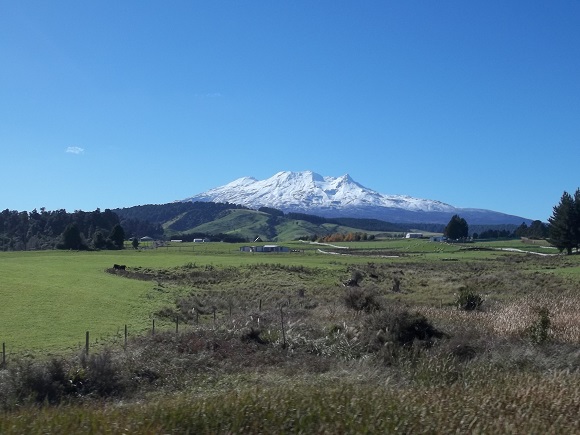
point(42, 382)
point(399, 326)
point(539, 331)
point(360, 299)
point(468, 300)
point(101, 376)
point(253, 335)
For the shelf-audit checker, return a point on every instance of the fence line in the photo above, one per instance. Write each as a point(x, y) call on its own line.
point(195, 321)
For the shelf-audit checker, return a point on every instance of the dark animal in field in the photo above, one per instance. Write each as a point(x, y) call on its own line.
point(119, 267)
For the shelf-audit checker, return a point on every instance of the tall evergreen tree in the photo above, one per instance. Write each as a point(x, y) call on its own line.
point(538, 230)
point(565, 224)
point(117, 237)
point(71, 238)
point(457, 228)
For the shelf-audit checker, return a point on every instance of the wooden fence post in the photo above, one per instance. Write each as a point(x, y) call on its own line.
point(177, 324)
point(260, 309)
point(3, 354)
point(283, 331)
point(214, 317)
point(153, 330)
point(87, 343)
point(125, 337)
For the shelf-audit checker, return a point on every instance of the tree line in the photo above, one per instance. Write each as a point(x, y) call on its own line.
point(21, 230)
point(457, 228)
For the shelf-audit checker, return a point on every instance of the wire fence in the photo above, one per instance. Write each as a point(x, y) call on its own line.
point(198, 318)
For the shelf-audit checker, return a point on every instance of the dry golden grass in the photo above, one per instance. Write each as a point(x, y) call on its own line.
point(513, 319)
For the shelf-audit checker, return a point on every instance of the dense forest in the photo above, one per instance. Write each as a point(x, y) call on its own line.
point(45, 229)
point(21, 230)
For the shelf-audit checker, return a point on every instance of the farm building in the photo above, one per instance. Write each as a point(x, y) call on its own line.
point(201, 240)
point(414, 235)
point(265, 248)
point(437, 239)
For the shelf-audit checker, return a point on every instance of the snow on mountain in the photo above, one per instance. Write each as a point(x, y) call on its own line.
point(309, 192)
point(306, 190)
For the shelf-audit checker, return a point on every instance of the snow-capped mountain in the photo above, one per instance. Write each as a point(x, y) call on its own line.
point(309, 192)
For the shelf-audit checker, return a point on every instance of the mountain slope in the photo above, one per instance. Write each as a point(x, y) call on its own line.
point(202, 219)
point(308, 192)
point(249, 224)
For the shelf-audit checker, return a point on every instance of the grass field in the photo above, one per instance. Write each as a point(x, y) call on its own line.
point(50, 298)
point(277, 343)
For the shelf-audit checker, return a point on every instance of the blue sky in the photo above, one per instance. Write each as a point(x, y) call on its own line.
point(119, 103)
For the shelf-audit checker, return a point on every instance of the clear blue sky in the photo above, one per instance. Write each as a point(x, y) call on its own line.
point(119, 103)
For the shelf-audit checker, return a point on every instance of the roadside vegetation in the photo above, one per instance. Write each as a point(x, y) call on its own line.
point(366, 337)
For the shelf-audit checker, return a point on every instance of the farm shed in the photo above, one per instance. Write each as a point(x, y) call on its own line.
point(414, 235)
point(265, 248)
point(275, 248)
point(201, 240)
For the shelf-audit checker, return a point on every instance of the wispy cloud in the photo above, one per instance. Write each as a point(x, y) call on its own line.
point(75, 150)
point(210, 95)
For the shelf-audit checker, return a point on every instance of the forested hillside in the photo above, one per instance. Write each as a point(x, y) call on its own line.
point(43, 230)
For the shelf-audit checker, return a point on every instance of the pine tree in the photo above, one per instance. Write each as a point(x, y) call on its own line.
point(117, 237)
point(564, 223)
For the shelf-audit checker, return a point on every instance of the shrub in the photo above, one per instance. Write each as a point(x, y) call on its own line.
point(540, 329)
point(355, 278)
point(400, 327)
point(468, 300)
point(102, 377)
point(360, 299)
point(253, 335)
point(42, 382)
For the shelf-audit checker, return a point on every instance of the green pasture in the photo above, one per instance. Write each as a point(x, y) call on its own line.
point(49, 299)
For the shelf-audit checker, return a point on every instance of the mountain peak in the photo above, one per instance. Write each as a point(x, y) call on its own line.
point(309, 192)
point(306, 191)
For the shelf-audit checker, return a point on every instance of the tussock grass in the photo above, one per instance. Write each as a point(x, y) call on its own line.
point(513, 319)
point(522, 403)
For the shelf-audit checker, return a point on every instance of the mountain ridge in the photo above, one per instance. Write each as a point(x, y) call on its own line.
point(312, 193)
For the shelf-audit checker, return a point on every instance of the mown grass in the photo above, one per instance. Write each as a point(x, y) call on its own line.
point(49, 299)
